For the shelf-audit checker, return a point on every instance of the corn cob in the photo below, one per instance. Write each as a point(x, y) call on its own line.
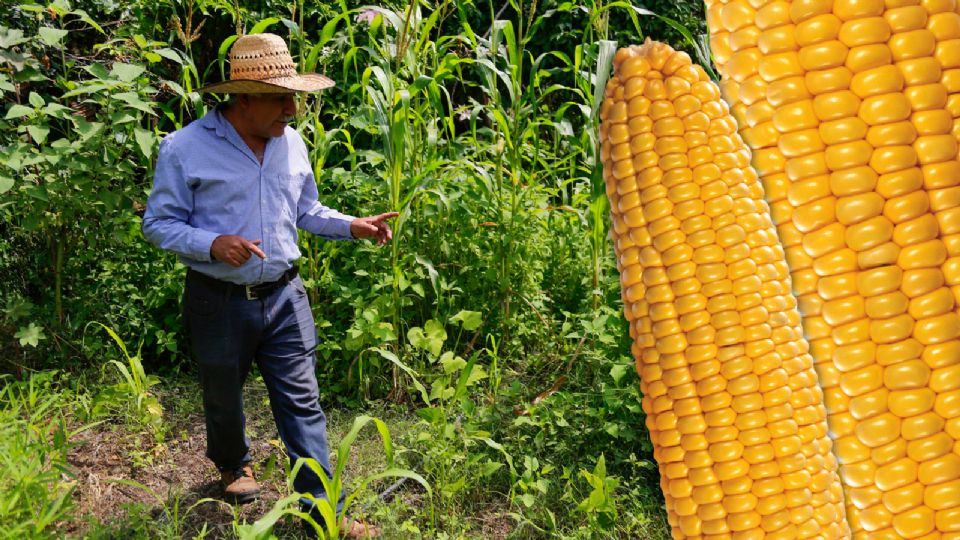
point(732, 402)
point(851, 109)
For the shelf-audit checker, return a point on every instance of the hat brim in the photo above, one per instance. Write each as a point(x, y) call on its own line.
point(310, 82)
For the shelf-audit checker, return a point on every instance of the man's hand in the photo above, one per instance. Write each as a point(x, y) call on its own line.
point(235, 250)
point(373, 227)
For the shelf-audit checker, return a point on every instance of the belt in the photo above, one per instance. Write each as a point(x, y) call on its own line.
point(252, 292)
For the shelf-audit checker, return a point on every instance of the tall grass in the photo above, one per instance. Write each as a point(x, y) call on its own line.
point(36, 485)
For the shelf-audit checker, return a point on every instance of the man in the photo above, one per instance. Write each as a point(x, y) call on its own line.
point(230, 191)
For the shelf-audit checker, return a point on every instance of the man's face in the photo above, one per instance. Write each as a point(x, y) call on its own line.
point(268, 114)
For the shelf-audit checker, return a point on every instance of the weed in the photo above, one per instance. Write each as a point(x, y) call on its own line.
point(131, 397)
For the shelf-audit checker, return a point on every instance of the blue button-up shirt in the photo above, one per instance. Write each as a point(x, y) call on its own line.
point(208, 183)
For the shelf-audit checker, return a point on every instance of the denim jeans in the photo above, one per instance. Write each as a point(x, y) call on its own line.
point(228, 332)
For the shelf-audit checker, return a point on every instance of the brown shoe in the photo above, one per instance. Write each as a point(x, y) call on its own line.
point(358, 528)
point(239, 487)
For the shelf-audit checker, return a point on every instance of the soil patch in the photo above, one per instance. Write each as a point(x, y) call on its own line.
point(175, 473)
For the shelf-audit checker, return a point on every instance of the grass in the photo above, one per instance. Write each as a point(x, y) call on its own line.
point(115, 480)
point(130, 485)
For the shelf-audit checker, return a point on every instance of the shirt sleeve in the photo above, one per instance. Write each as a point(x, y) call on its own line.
point(318, 219)
point(166, 222)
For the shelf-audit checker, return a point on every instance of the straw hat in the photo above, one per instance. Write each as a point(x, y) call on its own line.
point(261, 63)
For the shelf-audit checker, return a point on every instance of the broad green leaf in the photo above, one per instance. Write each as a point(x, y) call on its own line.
point(145, 140)
point(89, 88)
point(170, 54)
point(177, 89)
point(469, 320)
point(432, 272)
point(431, 414)
point(18, 111)
point(310, 64)
point(264, 24)
point(383, 332)
point(126, 72)
point(52, 36)
point(328, 29)
point(487, 468)
point(453, 487)
point(38, 133)
point(122, 117)
point(476, 374)
point(87, 19)
point(11, 37)
point(439, 390)
point(451, 363)
point(416, 337)
point(618, 371)
point(434, 337)
point(57, 110)
point(98, 71)
point(30, 335)
point(86, 129)
point(418, 288)
point(133, 99)
point(5, 184)
point(435, 330)
point(406, 369)
point(36, 100)
point(152, 57)
point(225, 46)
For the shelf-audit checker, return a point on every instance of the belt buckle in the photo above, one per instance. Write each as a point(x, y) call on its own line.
point(251, 294)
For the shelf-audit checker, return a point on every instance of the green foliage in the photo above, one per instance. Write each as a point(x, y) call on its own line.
point(130, 398)
point(328, 527)
point(141, 520)
point(600, 505)
point(36, 485)
point(475, 120)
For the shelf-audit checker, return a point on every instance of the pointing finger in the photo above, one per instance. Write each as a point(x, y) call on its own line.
point(386, 215)
point(252, 247)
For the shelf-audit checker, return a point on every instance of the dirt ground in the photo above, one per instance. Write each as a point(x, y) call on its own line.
point(174, 470)
point(176, 474)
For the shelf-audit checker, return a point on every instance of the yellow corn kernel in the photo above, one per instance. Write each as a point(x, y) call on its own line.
point(886, 161)
point(729, 391)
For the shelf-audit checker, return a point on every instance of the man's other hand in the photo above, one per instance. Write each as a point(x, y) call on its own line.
point(235, 250)
point(373, 227)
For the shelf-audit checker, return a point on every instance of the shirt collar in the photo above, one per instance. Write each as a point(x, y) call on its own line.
point(215, 120)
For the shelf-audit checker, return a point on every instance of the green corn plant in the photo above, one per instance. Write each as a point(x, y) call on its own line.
point(591, 86)
point(405, 105)
point(328, 527)
point(509, 119)
point(172, 520)
point(132, 395)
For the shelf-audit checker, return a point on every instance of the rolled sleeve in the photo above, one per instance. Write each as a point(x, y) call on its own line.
point(166, 222)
